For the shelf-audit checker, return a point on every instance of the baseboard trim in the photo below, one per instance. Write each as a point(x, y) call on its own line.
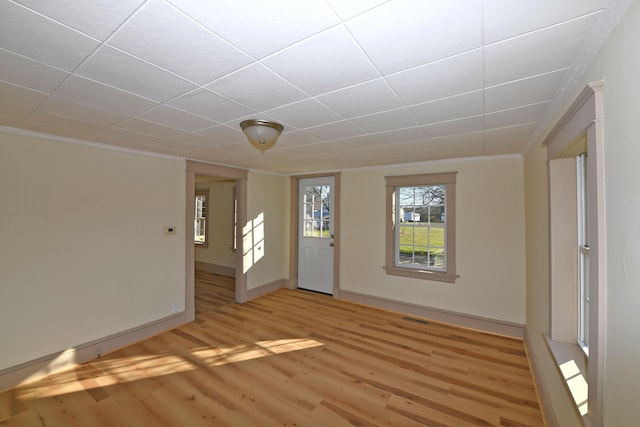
point(50, 364)
point(266, 288)
point(538, 380)
point(221, 270)
point(493, 326)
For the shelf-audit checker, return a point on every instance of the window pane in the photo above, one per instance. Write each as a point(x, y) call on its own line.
point(317, 211)
point(421, 226)
point(200, 219)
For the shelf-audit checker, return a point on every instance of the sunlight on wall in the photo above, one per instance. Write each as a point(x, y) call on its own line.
point(253, 242)
point(119, 370)
point(577, 385)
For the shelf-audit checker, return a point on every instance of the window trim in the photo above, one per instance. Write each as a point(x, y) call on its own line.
point(586, 114)
point(203, 192)
point(444, 178)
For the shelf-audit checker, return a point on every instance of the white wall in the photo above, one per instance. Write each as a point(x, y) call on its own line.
point(82, 249)
point(267, 229)
point(489, 245)
point(220, 235)
point(618, 64)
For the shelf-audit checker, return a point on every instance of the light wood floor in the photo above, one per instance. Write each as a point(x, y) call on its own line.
point(291, 358)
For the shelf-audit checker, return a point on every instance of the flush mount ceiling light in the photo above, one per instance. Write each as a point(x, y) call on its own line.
point(262, 134)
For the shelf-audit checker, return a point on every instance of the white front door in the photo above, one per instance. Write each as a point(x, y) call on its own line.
point(315, 234)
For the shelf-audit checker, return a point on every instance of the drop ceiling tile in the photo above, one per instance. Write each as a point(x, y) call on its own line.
point(127, 143)
point(241, 148)
point(257, 28)
point(469, 144)
point(366, 98)
point(118, 69)
point(532, 90)
point(304, 114)
point(348, 9)
point(79, 126)
point(388, 120)
point(465, 105)
point(455, 127)
point(357, 142)
point(56, 105)
point(502, 21)
point(441, 79)
point(326, 62)
point(210, 106)
point(508, 140)
point(58, 131)
point(544, 52)
point(193, 140)
point(510, 132)
point(20, 96)
point(511, 146)
point(403, 34)
point(215, 155)
point(95, 18)
point(521, 115)
point(296, 138)
point(222, 134)
point(336, 130)
point(257, 87)
point(28, 73)
point(135, 138)
point(162, 35)
point(149, 128)
point(402, 135)
point(11, 115)
point(88, 92)
point(319, 148)
point(174, 118)
point(32, 35)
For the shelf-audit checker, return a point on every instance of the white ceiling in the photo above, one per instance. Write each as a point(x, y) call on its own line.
point(354, 82)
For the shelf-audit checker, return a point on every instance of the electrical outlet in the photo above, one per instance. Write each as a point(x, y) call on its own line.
point(175, 307)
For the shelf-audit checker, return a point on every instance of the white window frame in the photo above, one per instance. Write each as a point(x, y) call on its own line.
point(205, 194)
point(392, 266)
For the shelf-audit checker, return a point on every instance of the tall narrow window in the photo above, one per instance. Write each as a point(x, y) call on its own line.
point(200, 222)
point(421, 226)
point(234, 230)
point(583, 253)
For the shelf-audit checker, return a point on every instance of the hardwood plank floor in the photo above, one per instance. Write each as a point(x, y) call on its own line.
point(290, 358)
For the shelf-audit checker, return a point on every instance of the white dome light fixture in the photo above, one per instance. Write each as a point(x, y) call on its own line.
point(262, 134)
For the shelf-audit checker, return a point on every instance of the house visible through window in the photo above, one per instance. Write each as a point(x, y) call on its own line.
point(421, 226)
point(200, 225)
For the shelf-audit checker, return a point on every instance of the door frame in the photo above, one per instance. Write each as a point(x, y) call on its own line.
point(194, 168)
point(293, 233)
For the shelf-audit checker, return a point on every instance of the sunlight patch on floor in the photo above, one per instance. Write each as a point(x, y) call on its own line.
point(110, 371)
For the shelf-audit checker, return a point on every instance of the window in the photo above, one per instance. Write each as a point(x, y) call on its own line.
point(234, 229)
point(578, 281)
point(583, 253)
point(316, 221)
point(421, 226)
point(200, 222)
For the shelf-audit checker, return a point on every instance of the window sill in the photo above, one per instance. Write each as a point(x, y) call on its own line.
point(436, 276)
point(572, 364)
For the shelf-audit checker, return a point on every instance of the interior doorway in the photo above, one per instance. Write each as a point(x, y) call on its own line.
point(233, 178)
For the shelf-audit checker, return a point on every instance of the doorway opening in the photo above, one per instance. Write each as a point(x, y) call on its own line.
point(225, 188)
